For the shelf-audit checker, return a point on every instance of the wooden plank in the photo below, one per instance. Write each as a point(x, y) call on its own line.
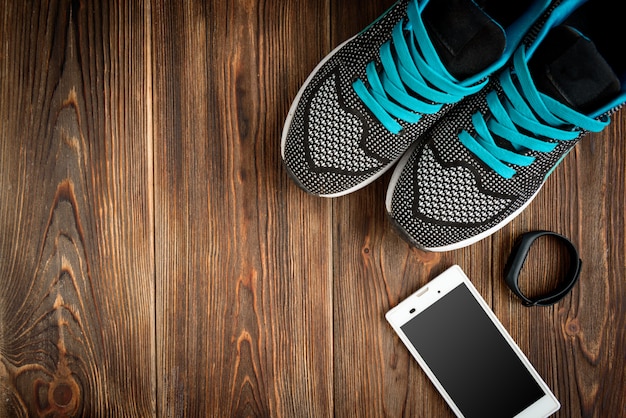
point(373, 270)
point(592, 325)
point(76, 249)
point(243, 287)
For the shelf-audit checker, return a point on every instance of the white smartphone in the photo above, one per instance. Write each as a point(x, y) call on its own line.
point(467, 353)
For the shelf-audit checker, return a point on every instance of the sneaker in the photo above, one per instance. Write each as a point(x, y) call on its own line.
point(483, 165)
point(374, 95)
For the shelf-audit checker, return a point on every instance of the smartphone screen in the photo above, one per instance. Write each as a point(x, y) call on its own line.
point(467, 353)
point(470, 358)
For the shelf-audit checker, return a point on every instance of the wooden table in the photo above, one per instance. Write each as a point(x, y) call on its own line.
point(157, 260)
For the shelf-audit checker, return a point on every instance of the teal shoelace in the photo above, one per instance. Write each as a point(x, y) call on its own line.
point(413, 80)
point(527, 119)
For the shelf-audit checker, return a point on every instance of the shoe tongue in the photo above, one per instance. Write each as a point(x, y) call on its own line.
point(568, 67)
point(466, 39)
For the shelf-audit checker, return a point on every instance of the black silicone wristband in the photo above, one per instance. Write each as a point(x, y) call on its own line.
point(518, 257)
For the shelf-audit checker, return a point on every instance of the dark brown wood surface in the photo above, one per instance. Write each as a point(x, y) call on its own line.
point(157, 260)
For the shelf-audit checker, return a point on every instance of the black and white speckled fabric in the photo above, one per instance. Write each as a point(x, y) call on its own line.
point(443, 197)
point(473, 197)
point(335, 134)
point(451, 194)
point(333, 143)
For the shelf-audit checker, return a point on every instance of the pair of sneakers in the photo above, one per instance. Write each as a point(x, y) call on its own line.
point(475, 102)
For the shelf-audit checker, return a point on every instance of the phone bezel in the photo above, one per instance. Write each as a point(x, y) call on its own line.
point(429, 294)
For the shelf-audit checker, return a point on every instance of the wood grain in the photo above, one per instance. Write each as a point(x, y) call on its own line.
point(243, 289)
point(76, 330)
point(157, 260)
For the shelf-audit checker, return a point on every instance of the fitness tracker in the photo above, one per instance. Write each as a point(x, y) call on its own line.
point(516, 261)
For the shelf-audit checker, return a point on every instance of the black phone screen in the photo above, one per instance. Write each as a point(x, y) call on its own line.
point(470, 357)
